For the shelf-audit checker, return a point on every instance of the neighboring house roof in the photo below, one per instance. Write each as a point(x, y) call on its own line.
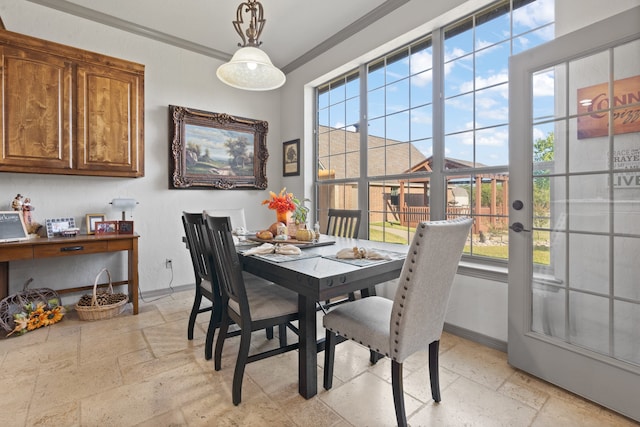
point(339, 152)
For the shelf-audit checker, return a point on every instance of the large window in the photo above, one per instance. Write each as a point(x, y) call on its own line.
point(412, 155)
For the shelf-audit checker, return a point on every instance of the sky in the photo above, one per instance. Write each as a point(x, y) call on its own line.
point(400, 94)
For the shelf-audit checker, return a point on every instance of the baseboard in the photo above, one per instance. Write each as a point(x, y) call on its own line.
point(476, 337)
point(165, 291)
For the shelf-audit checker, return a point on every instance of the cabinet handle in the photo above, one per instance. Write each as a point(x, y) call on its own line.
point(72, 249)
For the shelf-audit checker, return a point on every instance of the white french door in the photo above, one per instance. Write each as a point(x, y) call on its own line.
point(574, 244)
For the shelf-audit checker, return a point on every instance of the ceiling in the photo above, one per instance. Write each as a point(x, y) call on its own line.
point(295, 30)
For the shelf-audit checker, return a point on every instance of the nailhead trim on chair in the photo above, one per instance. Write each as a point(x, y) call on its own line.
point(403, 296)
point(377, 350)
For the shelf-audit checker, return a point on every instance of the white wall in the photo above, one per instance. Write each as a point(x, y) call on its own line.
point(172, 76)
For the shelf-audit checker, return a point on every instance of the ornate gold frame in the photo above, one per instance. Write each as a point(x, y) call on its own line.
point(192, 167)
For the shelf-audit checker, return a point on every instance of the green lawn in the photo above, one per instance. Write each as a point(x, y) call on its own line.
point(540, 252)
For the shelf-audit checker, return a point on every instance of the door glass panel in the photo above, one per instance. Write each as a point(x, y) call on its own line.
point(548, 305)
point(586, 154)
point(589, 321)
point(589, 262)
point(544, 82)
point(626, 269)
point(586, 202)
point(626, 317)
point(588, 84)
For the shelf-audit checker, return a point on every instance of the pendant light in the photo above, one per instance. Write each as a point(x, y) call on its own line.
point(250, 68)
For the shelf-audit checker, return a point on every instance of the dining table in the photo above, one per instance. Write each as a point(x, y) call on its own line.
point(317, 275)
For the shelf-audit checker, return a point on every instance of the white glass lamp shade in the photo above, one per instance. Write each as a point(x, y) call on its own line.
point(124, 205)
point(251, 69)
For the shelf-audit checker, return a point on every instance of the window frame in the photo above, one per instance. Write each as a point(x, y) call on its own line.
point(494, 268)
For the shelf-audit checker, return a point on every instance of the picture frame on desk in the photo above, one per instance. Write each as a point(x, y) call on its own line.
point(104, 228)
point(125, 227)
point(57, 226)
point(91, 222)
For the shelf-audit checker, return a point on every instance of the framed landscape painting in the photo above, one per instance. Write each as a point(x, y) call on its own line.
point(216, 151)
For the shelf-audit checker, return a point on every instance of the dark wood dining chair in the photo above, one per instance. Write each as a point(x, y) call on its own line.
point(413, 321)
point(194, 229)
point(251, 307)
point(196, 239)
point(343, 222)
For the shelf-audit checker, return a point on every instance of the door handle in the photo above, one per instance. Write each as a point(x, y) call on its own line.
point(518, 227)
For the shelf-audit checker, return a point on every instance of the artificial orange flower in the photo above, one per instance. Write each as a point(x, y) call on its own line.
point(283, 202)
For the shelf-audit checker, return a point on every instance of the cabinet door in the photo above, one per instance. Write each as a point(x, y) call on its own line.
point(36, 122)
point(109, 121)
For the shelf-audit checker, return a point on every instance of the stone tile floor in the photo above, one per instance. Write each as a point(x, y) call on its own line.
point(142, 371)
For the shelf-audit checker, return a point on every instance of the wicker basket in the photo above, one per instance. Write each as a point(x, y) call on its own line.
point(96, 311)
point(15, 303)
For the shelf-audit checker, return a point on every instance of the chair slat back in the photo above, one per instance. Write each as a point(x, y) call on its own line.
point(344, 222)
point(424, 287)
point(195, 232)
point(226, 261)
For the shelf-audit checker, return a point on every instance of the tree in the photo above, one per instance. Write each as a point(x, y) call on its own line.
point(543, 151)
point(237, 149)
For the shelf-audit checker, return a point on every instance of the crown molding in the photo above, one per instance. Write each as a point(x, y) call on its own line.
point(121, 24)
point(379, 12)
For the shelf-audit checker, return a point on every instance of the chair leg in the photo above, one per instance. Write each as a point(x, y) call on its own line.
point(374, 356)
point(368, 292)
point(433, 370)
point(398, 393)
point(329, 351)
point(211, 330)
point(222, 334)
point(238, 374)
point(269, 332)
point(194, 314)
point(282, 334)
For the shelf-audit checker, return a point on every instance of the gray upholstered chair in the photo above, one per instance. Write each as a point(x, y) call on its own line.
point(250, 307)
point(414, 320)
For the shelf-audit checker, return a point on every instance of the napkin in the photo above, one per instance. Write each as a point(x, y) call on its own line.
point(269, 248)
point(265, 248)
point(288, 250)
point(359, 253)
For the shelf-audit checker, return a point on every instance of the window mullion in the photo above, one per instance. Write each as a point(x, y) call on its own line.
point(363, 180)
point(438, 184)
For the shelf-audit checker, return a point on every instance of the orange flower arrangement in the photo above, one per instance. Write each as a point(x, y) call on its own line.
point(281, 203)
point(36, 316)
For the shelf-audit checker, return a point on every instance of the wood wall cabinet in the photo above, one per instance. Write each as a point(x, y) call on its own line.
point(69, 111)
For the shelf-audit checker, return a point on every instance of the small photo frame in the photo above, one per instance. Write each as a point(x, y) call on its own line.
point(106, 227)
point(57, 226)
point(91, 222)
point(291, 158)
point(125, 227)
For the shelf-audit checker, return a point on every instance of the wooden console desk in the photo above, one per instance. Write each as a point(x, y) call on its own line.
point(72, 246)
